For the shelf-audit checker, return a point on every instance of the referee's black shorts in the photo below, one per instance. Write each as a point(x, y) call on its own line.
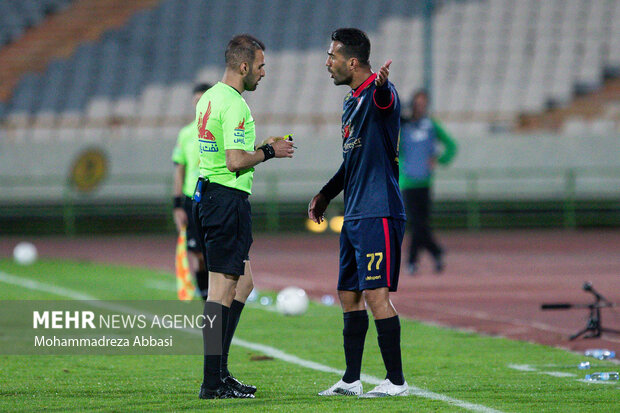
point(193, 240)
point(225, 226)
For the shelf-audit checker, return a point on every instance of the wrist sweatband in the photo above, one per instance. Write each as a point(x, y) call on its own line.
point(177, 201)
point(268, 151)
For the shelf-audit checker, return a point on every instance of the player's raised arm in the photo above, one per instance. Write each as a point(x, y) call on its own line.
point(383, 97)
point(383, 73)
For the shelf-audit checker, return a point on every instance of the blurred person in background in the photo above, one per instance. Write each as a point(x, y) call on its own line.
point(186, 172)
point(420, 138)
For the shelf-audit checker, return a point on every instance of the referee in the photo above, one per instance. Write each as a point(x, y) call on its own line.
point(185, 158)
point(228, 155)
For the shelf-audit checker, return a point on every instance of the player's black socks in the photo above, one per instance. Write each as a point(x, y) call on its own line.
point(233, 319)
point(202, 280)
point(388, 335)
point(213, 362)
point(354, 333)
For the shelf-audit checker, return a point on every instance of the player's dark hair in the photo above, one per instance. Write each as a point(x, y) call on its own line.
point(242, 48)
point(201, 88)
point(355, 42)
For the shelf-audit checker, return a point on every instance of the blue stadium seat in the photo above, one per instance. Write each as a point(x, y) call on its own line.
point(111, 57)
point(50, 95)
point(132, 80)
point(18, 15)
point(482, 64)
point(83, 63)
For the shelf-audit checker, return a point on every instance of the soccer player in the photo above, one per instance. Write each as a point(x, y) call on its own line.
point(228, 155)
point(185, 158)
point(420, 137)
point(374, 217)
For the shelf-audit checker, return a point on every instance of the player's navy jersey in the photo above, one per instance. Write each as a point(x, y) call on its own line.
point(369, 172)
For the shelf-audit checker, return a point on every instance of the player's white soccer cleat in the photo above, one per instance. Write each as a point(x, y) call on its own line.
point(344, 389)
point(386, 389)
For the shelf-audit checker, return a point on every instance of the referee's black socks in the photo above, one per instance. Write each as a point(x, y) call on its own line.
point(233, 319)
point(388, 335)
point(213, 362)
point(354, 334)
point(202, 281)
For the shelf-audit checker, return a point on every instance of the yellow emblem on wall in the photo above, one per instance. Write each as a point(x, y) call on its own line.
point(89, 169)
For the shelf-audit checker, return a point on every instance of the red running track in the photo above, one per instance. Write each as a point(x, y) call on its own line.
point(495, 281)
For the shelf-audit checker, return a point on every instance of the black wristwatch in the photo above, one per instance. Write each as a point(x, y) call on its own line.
point(268, 151)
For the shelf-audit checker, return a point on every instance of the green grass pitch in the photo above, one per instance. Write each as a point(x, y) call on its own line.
point(468, 371)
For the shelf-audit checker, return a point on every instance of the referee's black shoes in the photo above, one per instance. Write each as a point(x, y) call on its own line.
point(239, 386)
point(223, 392)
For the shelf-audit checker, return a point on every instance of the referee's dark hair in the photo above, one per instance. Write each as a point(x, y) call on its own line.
point(201, 88)
point(242, 48)
point(355, 42)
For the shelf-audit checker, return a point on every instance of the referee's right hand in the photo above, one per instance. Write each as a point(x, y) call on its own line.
point(283, 148)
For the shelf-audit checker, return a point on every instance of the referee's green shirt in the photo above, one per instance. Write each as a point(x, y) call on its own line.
point(186, 153)
point(224, 121)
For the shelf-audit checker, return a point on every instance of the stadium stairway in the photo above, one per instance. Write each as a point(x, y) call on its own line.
point(598, 105)
point(60, 34)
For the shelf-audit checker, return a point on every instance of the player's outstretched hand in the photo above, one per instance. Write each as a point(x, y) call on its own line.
point(383, 73)
point(317, 208)
point(283, 148)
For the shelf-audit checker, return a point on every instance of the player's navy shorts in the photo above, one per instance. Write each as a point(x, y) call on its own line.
point(370, 254)
point(191, 232)
point(225, 228)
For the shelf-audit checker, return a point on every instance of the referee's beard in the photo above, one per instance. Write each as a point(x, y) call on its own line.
point(250, 81)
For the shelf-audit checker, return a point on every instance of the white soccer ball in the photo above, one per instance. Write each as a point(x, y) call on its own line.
point(25, 253)
point(292, 301)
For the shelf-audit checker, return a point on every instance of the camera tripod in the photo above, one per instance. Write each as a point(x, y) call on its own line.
point(594, 327)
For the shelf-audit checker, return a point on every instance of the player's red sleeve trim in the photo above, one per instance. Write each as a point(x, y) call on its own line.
point(389, 104)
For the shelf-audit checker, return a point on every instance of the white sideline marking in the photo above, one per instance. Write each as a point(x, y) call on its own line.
point(413, 390)
point(268, 350)
point(522, 367)
point(527, 367)
point(160, 285)
point(558, 374)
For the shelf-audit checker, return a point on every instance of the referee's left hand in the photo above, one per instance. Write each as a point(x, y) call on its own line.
point(283, 149)
point(383, 73)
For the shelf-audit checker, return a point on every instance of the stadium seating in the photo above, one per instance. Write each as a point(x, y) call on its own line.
point(18, 15)
point(493, 59)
